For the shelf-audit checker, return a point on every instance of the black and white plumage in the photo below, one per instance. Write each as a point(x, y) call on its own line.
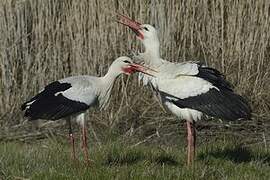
point(219, 101)
point(74, 95)
point(187, 89)
point(205, 91)
point(51, 104)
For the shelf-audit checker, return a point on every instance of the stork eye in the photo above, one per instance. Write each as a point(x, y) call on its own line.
point(126, 61)
point(145, 28)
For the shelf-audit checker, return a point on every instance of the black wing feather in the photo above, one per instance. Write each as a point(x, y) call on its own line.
point(46, 105)
point(223, 104)
point(214, 77)
point(48, 91)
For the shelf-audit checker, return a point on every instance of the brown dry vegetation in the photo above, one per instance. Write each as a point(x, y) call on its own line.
point(42, 41)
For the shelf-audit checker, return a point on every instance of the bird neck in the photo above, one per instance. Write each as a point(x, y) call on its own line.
point(109, 79)
point(107, 85)
point(112, 74)
point(152, 56)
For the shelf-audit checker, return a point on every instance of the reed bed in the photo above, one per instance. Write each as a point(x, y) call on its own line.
point(42, 41)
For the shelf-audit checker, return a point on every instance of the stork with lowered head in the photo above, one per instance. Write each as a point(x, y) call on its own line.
point(72, 96)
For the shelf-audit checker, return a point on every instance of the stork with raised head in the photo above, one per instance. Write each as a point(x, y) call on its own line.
point(187, 89)
point(74, 95)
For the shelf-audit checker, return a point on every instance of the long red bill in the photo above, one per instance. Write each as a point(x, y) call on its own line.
point(132, 24)
point(143, 69)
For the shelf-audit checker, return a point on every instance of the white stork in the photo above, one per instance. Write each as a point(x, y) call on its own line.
point(187, 89)
point(74, 95)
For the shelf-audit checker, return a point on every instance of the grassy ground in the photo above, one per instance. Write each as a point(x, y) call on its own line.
point(51, 160)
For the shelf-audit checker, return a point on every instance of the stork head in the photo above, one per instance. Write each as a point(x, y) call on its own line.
point(146, 33)
point(125, 65)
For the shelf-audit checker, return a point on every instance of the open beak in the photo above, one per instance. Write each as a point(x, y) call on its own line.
point(132, 24)
point(146, 70)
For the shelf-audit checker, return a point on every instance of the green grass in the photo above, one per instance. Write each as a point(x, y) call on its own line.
point(50, 160)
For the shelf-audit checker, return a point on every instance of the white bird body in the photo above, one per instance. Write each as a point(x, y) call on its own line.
point(90, 90)
point(74, 95)
point(83, 89)
point(187, 89)
point(183, 81)
point(87, 91)
point(179, 80)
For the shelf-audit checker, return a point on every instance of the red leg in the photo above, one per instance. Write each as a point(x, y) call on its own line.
point(191, 138)
point(85, 147)
point(72, 142)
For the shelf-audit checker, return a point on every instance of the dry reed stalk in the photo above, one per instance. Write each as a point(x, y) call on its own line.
point(42, 41)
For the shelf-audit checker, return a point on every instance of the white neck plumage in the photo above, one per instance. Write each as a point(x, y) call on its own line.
point(107, 85)
point(151, 54)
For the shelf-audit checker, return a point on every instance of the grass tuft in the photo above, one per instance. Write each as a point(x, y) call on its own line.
point(119, 156)
point(237, 154)
point(162, 157)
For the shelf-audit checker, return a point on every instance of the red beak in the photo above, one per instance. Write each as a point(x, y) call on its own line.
point(132, 24)
point(139, 68)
